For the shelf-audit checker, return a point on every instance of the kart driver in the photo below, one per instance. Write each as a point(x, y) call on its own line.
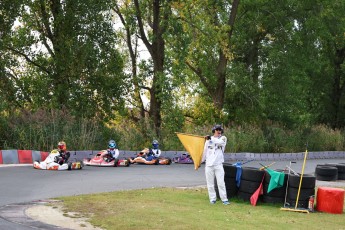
point(64, 155)
point(113, 152)
point(155, 152)
point(142, 158)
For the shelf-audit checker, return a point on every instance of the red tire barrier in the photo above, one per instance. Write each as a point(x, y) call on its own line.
point(44, 155)
point(25, 156)
point(0, 157)
point(330, 200)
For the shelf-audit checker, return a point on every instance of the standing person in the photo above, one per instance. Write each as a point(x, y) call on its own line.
point(113, 152)
point(214, 156)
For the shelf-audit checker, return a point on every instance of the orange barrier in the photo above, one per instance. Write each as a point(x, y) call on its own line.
point(330, 200)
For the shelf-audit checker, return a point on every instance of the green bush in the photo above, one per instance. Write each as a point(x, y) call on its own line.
point(43, 129)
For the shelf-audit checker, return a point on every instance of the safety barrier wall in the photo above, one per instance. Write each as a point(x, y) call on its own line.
point(29, 156)
point(14, 156)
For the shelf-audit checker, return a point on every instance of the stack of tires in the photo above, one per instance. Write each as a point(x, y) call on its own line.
point(250, 181)
point(330, 172)
point(326, 173)
point(230, 181)
point(276, 195)
point(307, 190)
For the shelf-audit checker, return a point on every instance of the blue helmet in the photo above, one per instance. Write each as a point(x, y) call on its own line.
point(155, 144)
point(112, 144)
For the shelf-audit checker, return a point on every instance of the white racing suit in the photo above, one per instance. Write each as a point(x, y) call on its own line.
point(49, 163)
point(214, 156)
point(114, 153)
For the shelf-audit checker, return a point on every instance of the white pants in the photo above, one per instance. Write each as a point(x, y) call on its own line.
point(216, 171)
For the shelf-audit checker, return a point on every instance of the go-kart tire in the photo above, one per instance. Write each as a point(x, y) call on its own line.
point(128, 163)
point(69, 166)
point(116, 161)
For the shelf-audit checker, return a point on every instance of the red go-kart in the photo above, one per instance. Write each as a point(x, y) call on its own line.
point(102, 159)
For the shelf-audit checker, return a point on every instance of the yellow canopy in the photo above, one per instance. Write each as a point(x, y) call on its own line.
point(194, 145)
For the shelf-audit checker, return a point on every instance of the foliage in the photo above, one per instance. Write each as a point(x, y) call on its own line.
point(63, 54)
point(274, 77)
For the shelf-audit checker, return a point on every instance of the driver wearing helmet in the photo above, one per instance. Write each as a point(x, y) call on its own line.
point(155, 152)
point(113, 152)
point(64, 154)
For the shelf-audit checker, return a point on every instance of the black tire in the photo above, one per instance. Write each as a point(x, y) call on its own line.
point(69, 166)
point(341, 176)
point(252, 174)
point(249, 186)
point(229, 170)
point(308, 181)
point(327, 178)
point(128, 163)
point(340, 167)
point(304, 194)
point(301, 203)
point(116, 161)
point(230, 183)
point(230, 193)
point(273, 200)
point(244, 195)
point(169, 161)
point(325, 170)
point(277, 192)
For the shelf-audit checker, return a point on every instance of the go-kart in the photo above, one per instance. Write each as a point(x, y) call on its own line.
point(155, 161)
point(184, 158)
point(102, 159)
point(50, 163)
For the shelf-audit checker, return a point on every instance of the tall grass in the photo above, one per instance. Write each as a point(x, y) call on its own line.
point(43, 129)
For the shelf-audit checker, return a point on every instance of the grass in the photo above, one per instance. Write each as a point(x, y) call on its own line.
point(174, 208)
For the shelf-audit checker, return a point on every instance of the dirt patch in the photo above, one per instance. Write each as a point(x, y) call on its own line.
point(54, 215)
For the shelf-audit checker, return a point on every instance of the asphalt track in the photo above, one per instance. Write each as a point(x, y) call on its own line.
point(20, 186)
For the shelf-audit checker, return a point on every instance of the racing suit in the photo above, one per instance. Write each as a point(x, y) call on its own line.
point(214, 156)
point(63, 158)
point(153, 154)
point(112, 154)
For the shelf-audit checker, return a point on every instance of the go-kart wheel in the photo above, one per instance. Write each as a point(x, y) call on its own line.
point(169, 161)
point(128, 163)
point(69, 166)
point(116, 161)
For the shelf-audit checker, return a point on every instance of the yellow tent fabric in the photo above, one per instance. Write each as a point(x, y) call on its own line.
point(194, 145)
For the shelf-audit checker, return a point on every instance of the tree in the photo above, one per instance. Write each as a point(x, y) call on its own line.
point(67, 49)
point(209, 27)
point(152, 20)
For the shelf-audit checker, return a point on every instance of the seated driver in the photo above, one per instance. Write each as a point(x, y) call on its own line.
point(155, 152)
point(64, 155)
point(142, 158)
point(112, 151)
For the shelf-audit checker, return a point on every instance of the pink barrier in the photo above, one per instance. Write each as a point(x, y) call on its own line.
point(0, 157)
